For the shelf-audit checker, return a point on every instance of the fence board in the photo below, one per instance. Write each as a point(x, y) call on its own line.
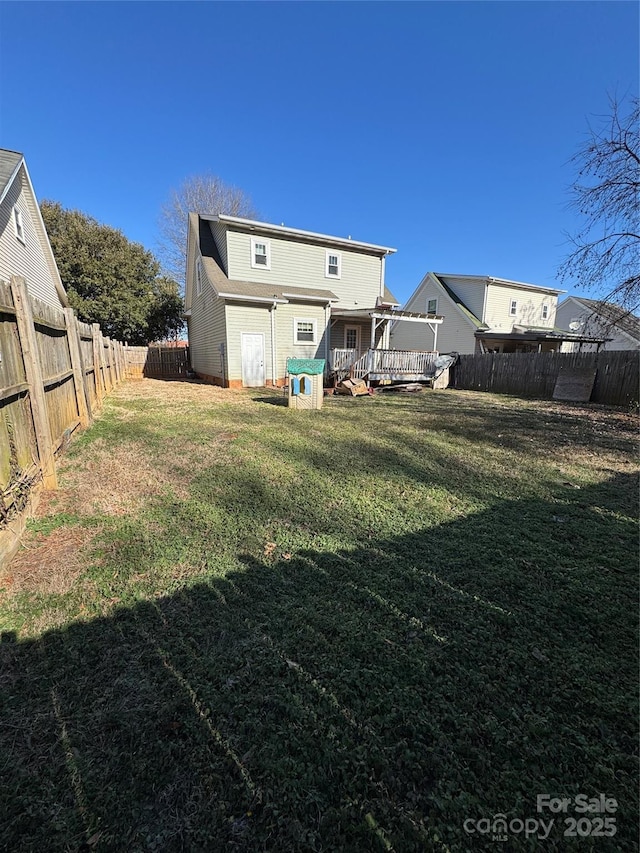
point(535, 374)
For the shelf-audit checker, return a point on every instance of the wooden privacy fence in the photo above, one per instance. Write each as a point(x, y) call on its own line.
point(157, 362)
point(535, 374)
point(54, 373)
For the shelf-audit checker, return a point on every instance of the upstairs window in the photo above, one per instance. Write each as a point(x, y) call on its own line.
point(513, 308)
point(432, 306)
point(333, 265)
point(260, 253)
point(304, 331)
point(17, 221)
point(545, 311)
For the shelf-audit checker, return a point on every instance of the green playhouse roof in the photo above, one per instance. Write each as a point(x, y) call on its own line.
point(312, 366)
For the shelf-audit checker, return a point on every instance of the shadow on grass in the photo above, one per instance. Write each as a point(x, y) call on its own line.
point(368, 699)
point(280, 400)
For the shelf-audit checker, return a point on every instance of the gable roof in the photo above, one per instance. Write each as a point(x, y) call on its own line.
point(612, 315)
point(12, 168)
point(501, 282)
point(466, 312)
point(255, 225)
point(10, 162)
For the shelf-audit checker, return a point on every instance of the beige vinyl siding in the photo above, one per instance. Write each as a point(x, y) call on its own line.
point(469, 292)
point(27, 259)
point(285, 315)
point(219, 232)
point(243, 317)
point(529, 308)
point(338, 334)
point(338, 329)
point(455, 333)
point(206, 330)
point(303, 265)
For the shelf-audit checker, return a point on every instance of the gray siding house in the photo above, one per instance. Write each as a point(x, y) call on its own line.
point(620, 328)
point(24, 246)
point(257, 294)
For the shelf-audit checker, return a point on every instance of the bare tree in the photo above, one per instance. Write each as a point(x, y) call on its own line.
point(606, 250)
point(197, 194)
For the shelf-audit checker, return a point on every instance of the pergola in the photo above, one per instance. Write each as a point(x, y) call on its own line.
point(381, 317)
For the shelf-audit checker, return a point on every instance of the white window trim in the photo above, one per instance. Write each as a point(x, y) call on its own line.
point(544, 311)
point(311, 320)
point(435, 310)
point(267, 246)
point(18, 224)
point(338, 255)
point(513, 307)
point(198, 277)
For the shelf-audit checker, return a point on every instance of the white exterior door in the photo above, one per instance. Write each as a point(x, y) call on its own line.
point(252, 360)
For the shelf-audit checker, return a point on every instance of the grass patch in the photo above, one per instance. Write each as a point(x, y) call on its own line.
point(348, 630)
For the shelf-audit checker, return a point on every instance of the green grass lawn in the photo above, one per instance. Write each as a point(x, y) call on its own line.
point(239, 627)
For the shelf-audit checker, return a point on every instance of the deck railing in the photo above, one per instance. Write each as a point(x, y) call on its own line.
point(382, 363)
point(342, 359)
point(401, 362)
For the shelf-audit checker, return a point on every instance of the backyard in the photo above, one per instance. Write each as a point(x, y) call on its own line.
point(240, 627)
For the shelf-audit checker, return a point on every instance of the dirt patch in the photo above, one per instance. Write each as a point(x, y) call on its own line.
point(48, 564)
point(114, 481)
point(183, 392)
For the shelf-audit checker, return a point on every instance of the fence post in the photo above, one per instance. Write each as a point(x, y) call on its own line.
point(33, 373)
point(73, 340)
point(115, 360)
point(105, 349)
point(97, 362)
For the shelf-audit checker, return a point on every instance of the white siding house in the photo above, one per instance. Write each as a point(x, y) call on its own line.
point(620, 328)
point(257, 294)
point(24, 246)
point(483, 314)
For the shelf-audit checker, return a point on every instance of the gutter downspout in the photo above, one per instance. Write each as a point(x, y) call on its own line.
point(327, 335)
point(484, 301)
point(272, 315)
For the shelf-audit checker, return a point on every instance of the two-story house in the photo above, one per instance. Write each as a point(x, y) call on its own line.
point(483, 314)
point(24, 245)
point(257, 294)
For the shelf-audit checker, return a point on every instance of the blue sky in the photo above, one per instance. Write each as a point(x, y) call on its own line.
point(441, 129)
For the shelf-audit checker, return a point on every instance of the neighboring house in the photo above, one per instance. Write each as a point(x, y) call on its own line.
point(257, 294)
point(601, 319)
point(24, 246)
point(483, 314)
